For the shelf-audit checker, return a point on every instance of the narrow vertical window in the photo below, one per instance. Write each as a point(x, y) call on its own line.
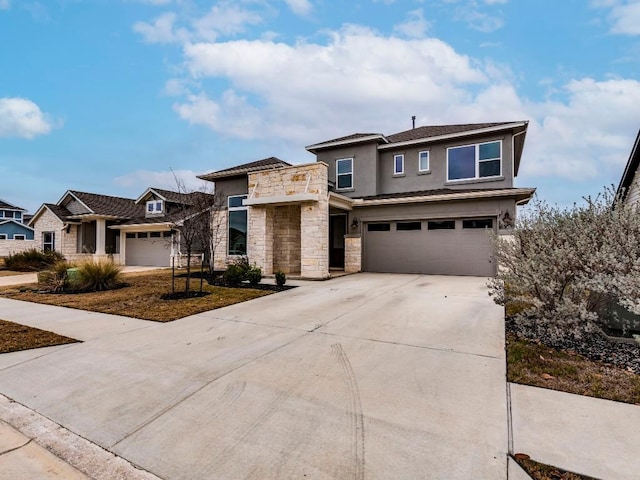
point(344, 173)
point(423, 161)
point(48, 241)
point(237, 235)
point(398, 164)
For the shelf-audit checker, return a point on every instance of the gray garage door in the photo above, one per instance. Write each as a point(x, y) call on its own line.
point(437, 247)
point(143, 249)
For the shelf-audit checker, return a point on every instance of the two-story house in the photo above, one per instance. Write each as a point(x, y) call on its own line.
point(12, 225)
point(418, 201)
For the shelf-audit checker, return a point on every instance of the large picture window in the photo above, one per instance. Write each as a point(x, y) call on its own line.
point(469, 162)
point(344, 173)
point(237, 238)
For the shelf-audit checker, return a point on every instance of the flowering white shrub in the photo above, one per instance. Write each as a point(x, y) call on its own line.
point(561, 266)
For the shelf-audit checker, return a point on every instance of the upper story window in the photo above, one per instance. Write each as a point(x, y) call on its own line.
point(344, 173)
point(155, 206)
point(469, 162)
point(398, 164)
point(423, 161)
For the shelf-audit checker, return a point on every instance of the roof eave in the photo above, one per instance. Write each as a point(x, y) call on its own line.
point(449, 136)
point(519, 194)
point(630, 169)
point(332, 144)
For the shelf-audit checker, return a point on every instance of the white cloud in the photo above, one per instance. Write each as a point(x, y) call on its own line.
point(415, 26)
point(161, 30)
point(300, 7)
point(480, 21)
point(496, 2)
point(626, 19)
point(5, 5)
point(224, 19)
point(141, 179)
point(20, 117)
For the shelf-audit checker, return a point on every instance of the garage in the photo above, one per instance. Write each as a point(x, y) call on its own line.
point(148, 249)
point(437, 247)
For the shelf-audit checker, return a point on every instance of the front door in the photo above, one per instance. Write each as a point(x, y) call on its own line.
point(337, 231)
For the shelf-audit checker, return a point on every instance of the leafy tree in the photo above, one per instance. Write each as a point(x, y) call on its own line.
point(562, 266)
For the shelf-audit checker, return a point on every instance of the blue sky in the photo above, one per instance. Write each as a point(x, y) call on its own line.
point(109, 96)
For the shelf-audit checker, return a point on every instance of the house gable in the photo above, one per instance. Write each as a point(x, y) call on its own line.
point(629, 187)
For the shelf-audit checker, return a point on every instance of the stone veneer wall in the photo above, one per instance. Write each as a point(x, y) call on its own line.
point(286, 239)
point(65, 243)
point(314, 217)
point(352, 253)
point(11, 247)
point(220, 229)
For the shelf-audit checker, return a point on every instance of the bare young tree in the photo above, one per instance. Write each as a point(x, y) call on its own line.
point(561, 267)
point(196, 225)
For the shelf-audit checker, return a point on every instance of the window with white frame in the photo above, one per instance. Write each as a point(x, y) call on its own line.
point(155, 206)
point(398, 164)
point(48, 241)
point(423, 161)
point(468, 162)
point(237, 237)
point(19, 236)
point(344, 173)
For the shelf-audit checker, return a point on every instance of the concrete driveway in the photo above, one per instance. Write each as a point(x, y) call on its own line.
point(364, 376)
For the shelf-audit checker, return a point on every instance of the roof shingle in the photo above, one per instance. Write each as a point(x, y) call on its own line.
point(239, 170)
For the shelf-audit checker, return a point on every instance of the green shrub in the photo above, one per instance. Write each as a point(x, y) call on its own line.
point(233, 275)
point(281, 278)
point(32, 260)
point(95, 276)
point(254, 275)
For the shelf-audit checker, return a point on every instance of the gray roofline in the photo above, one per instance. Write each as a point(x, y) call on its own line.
point(466, 133)
point(350, 141)
point(630, 169)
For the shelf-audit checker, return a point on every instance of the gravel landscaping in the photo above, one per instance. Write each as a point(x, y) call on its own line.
point(594, 346)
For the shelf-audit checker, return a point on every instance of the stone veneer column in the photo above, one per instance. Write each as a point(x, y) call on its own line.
point(314, 239)
point(352, 253)
point(260, 241)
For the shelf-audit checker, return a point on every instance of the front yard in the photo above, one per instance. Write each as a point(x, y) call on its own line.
point(141, 298)
point(15, 337)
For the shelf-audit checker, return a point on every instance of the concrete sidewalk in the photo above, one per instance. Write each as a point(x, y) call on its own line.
point(24, 279)
point(41, 449)
point(590, 436)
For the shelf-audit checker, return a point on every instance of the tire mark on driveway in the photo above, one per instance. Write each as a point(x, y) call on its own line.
point(355, 411)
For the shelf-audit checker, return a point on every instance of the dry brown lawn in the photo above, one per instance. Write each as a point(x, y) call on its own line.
point(15, 337)
point(533, 364)
point(141, 298)
point(7, 273)
point(538, 471)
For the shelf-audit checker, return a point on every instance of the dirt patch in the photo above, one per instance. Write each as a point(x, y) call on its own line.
point(142, 297)
point(15, 337)
point(535, 364)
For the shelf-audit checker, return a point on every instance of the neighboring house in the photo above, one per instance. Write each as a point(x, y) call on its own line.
point(12, 225)
point(419, 201)
point(142, 231)
point(629, 186)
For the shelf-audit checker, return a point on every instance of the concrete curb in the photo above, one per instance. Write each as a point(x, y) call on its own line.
point(47, 438)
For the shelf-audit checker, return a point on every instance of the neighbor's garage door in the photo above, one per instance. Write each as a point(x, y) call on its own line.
point(148, 249)
point(438, 247)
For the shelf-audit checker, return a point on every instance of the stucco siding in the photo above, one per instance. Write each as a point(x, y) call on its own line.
point(365, 169)
point(413, 180)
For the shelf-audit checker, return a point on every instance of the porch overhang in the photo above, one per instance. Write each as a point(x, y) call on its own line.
point(281, 200)
point(340, 201)
point(520, 195)
point(144, 227)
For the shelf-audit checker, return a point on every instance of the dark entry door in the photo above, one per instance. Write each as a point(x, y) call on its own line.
point(337, 231)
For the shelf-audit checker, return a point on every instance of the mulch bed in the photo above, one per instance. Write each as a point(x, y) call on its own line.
point(594, 346)
point(15, 337)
